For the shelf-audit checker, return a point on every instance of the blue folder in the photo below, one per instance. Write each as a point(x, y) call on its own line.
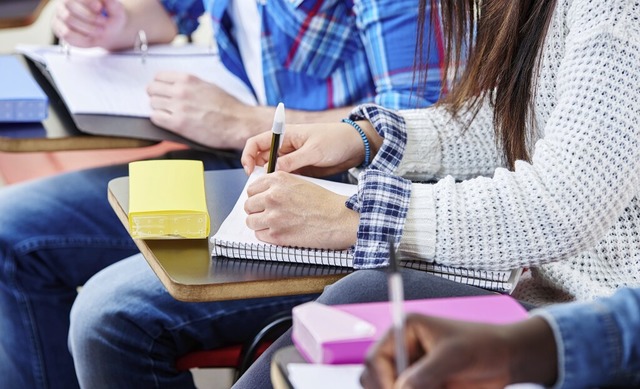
point(21, 98)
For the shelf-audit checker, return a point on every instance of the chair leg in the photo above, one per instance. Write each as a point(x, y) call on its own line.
point(276, 326)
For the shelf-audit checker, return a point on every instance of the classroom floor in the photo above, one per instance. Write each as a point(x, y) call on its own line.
point(40, 33)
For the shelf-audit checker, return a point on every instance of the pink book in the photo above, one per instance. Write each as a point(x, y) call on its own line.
point(343, 333)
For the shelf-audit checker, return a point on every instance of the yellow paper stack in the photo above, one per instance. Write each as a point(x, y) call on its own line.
point(167, 200)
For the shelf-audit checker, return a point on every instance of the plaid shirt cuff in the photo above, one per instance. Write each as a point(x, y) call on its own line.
point(391, 127)
point(383, 203)
point(382, 199)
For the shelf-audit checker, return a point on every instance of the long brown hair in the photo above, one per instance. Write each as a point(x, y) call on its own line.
point(502, 40)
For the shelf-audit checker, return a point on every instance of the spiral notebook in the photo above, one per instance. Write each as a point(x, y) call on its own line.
point(235, 240)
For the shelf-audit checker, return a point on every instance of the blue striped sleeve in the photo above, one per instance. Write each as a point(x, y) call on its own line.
point(389, 31)
point(185, 14)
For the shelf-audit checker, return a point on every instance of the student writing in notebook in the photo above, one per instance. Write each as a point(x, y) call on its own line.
point(318, 57)
point(577, 345)
point(534, 152)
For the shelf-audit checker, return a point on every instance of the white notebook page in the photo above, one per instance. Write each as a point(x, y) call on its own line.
point(98, 82)
point(315, 376)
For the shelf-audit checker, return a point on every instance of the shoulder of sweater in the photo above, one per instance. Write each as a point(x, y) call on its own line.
point(587, 17)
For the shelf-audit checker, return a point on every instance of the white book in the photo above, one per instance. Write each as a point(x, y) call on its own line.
point(21, 98)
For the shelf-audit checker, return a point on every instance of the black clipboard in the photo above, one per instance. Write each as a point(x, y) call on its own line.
point(111, 125)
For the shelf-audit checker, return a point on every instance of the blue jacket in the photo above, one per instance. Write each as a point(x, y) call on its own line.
point(598, 342)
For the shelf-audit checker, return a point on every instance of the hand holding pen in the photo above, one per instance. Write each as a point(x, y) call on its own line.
point(447, 353)
point(90, 23)
point(286, 210)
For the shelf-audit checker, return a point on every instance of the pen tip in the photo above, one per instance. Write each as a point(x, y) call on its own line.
point(278, 120)
point(280, 113)
point(393, 258)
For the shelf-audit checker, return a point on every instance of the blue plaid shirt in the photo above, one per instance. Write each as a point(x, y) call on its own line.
point(318, 55)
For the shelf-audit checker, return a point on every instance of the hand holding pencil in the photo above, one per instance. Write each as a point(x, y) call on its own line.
point(316, 150)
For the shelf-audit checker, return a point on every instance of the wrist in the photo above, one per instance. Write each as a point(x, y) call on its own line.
point(349, 221)
point(375, 140)
point(533, 352)
point(244, 123)
point(367, 141)
point(345, 221)
point(365, 156)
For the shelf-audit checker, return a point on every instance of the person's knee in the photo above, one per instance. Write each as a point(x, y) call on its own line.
point(21, 208)
point(22, 212)
point(94, 317)
point(105, 313)
point(358, 287)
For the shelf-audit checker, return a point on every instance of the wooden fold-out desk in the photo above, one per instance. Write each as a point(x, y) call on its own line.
point(20, 13)
point(62, 130)
point(187, 270)
point(59, 130)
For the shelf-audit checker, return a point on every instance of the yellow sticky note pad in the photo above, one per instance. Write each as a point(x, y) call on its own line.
point(167, 200)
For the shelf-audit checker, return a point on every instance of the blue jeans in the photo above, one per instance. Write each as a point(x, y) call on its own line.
point(127, 331)
point(55, 234)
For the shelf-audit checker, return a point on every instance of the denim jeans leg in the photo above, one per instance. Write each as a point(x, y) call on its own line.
point(56, 233)
point(127, 330)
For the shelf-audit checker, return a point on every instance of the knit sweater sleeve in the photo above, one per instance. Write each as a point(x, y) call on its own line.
point(583, 172)
point(439, 145)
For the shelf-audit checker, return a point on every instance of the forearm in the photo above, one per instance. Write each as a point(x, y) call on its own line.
point(255, 120)
point(295, 116)
point(148, 16)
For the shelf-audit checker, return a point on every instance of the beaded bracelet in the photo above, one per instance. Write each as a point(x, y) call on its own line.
point(367, 148)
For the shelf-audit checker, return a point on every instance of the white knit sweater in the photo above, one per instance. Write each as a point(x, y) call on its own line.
point(573, 213)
